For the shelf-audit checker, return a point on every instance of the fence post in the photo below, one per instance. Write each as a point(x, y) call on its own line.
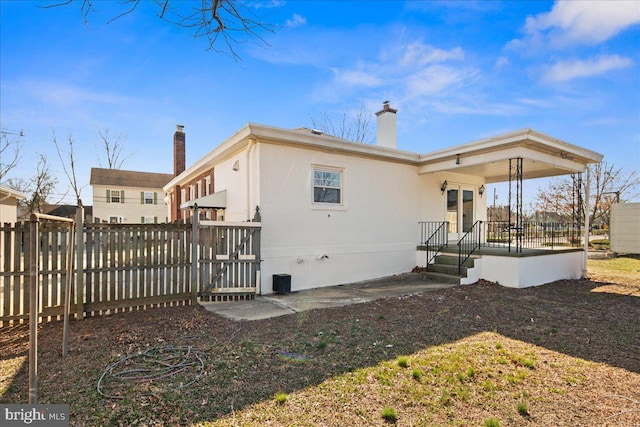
point(194, 255)
point(34, 239)
point(79, 263)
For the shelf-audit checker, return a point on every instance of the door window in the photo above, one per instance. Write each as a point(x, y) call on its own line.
point(452, 210)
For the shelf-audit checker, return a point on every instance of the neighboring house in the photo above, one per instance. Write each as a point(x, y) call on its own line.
point(335, 211)
point(624, 231)
point(9, 204)
point(8, 215)
point(69, 211)
point(121, 196)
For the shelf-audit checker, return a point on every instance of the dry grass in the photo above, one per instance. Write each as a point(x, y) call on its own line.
point(566, 353)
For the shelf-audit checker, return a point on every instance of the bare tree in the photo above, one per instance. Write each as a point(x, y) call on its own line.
point(68, 164)
point(608, 185)
point(352, 126)
point(9, 151)
point(113, 146)
point(218, 21)
point(40, 186)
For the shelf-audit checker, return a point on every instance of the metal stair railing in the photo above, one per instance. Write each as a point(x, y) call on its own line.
point(436, 240)
point(469, 243)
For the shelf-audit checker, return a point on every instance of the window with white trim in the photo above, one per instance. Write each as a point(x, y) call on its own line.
point(149, 198)
point(207, 185)
point(149, 219)
point(327, 186)
point(115, 196)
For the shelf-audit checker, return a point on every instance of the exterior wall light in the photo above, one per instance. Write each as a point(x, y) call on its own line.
point(457, 159)
point(444, 186)
point(481, 190)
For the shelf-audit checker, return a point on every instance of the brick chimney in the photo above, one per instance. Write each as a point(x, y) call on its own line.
point(179, 165)
point(179, 151)
point(386, 133)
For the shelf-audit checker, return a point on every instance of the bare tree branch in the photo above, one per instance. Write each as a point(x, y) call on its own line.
point(218, 21)
point(40, 186)
point(607, 181)
point(352, 126)
point(69, 165)
point(112, 146)
point(9, 153)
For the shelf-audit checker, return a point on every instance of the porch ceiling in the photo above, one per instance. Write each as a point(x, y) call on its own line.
point(542, 156)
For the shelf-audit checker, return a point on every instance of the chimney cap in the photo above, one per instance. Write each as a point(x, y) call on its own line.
point(386, 109)
point(180, 128)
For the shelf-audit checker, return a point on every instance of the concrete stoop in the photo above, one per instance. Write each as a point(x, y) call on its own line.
point(445, 268)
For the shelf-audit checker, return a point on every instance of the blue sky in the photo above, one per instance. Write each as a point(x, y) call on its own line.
point(456, 71)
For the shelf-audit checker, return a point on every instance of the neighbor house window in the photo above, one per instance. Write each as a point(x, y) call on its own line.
point(149, 219)
point(149, 198)
point(327, 186)
point(113, 219)
point(115, 196)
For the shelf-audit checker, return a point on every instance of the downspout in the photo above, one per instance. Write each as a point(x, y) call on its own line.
point(250, 145)
point(586, 223)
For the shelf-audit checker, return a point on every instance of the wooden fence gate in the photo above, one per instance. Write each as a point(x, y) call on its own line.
point(228, 260)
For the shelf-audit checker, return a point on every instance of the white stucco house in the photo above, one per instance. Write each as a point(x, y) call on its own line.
point(335, 211)
point(9, 204)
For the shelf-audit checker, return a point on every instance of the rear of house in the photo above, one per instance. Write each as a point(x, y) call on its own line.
point(335, 211)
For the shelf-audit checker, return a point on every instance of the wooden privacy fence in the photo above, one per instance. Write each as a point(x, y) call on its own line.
point(121, 267)
point(135, 266)
point(16, 267)
point(228, 257)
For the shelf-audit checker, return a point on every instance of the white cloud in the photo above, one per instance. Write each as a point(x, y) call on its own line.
point(435, 79)
point(354, 78)
point(296, 21)
point(580, 22)
point(421, 54)
point(503, 61)
point(568, 70)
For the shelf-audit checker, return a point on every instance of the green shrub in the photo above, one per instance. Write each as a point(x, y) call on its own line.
point(417, 374)
point(389, 415)
point(281, 398)
point(403, 361)
point(492, 422)
point(522, 408)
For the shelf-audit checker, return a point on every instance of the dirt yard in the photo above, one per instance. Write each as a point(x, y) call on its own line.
point(566, 353)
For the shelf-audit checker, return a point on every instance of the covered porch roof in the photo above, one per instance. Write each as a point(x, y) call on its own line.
point(217, 200)
point(543, 156)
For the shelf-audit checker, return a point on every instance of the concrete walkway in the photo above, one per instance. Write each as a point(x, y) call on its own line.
point(273, 305)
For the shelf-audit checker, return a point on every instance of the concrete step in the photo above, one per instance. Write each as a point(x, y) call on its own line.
point(440, 277)
point(444, 268)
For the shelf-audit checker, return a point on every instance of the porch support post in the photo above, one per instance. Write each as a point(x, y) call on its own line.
point(586, 222)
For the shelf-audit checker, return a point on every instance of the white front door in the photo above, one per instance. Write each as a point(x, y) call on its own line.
point(460, 211)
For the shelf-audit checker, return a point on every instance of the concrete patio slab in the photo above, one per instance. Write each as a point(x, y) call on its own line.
point(273, 305)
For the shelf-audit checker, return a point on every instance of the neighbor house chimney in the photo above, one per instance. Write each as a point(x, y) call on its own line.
point(386, 133)
point(179, 157)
